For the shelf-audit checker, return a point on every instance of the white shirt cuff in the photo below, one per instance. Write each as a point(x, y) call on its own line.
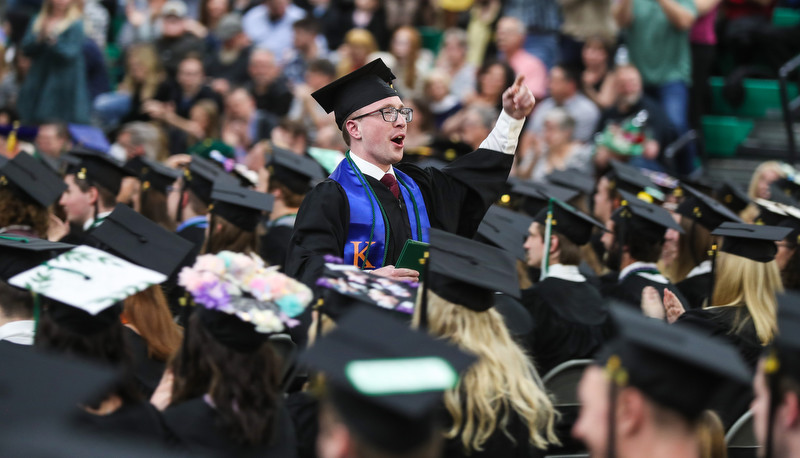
point(505, 135)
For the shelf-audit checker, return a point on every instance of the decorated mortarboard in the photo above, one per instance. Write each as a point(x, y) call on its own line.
point(242, 207)
point(32, 178)
point(655, 358)
point(536, 194)
point(296, 172)
point(134, 237)
point(86, 286)
point(98, 169)
point(207, 148)
point(770, 213)
point(627, 178)
point(573, 179)
point(732, 196)
point(704, 210)
point(570, 222)
point(385, 380)
point(468, 273)
point(18, 254)
point(357, 89)
point(200, 176)
point(751, 240)
point(666, 183)
point(240, 301)
point(644, 219)
point(89, 137)
point(157, 176)
point(505, 229)
point(348, 287)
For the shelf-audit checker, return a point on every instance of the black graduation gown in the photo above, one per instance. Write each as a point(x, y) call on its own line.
point(569, 321)
point(275, 245)
point(139, 420)
point(174, 293)
point(498, 444)
point(732, 400)
point(695, 289)
point(629, 290)
point(147, 371)
point(192, 427)
point(456, 197)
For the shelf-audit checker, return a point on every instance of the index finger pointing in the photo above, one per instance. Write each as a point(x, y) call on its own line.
point(519, 80)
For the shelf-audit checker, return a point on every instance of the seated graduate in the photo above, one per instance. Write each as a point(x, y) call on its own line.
point(383, 388)
point(224, 394)
point(291, 177)
point(16, 316)
point(368, 208)
point(93, 183)
point(80, 293)
point(233, 218)
point(648, 389)
point(569, 314)
point(633, 247)
point(777, 386)
point(153, 335)
point(788, 256)
point(499, 407)
point(700, 215)
point(28, 188)
point(157, 181)
point(743, 308)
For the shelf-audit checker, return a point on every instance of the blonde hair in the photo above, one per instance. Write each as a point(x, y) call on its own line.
point(750, 213)
point(711, 436)
point(356, 37)
point(73, 14)
point(503, 379)
point(744, 282)
point(148, 57)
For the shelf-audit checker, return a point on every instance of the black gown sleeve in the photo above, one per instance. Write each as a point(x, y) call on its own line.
point(275, 244)
point(320, 229)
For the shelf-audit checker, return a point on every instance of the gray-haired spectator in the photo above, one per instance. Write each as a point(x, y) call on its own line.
point(453, 59)
point(564, 93)
point(557, 149)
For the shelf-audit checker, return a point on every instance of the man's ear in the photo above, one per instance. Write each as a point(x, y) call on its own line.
point(93, 195)
point(631, 411)
point(555, 244)
point(352, 129)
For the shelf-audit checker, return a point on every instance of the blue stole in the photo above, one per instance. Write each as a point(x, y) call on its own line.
point(369, 229)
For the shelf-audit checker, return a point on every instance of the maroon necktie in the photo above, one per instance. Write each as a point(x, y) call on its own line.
point(390, 182)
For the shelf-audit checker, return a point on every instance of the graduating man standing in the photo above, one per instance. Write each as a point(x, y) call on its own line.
point(367, 209)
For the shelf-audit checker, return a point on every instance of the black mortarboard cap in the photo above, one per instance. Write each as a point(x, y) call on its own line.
point(296, 172)
point(786, 187)
point(570, 222)
point(732, 196)
point(751, 240)
point(536, 194)
point(706, 211)
point(357, 89)
point(18, 254)
point(628, 178)
point(99, 169)
point(468, 273)
point(643, 218)
point(34, 179)
point(242, 207)
point(348, 288)
point(157, 175)
point(770, 213)
point(792, 221)
point(200, 176)
point(573, 179)
point(134, 237)
point(505, 229)
point(386, 380)
point(657, 358)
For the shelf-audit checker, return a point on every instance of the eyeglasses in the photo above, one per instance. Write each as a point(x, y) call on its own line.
point(390, 114)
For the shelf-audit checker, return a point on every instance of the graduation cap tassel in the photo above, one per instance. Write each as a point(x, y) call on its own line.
point(37, 310)
point(548, 228)
point(713, 254)
point(423, 303)
point(11, 143)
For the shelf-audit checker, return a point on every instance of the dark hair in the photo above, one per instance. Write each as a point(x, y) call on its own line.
point(15, 302)
point(104, 196)
point(16, 208)
point(308, 24)
point(290, 198)
point(323, 66)
point(154, 207)
point(296, 128)
point(639, 248)
point(423, 114)
point(229, 237)
point(791, 272)
point(107, 346)
point(195, 203)
point(571, 73)
point(569, 253)
point(244, 386)
point(509, 73)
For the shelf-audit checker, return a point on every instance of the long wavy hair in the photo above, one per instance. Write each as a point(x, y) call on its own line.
point(744, 282)
point(19, 210)
point(149, 314)
point(73, 14)
point(154, 208)
point(147, 55)
point(243, 386)
point(503, 379)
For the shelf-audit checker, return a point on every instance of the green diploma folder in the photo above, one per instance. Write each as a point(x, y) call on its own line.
point(413, 256)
